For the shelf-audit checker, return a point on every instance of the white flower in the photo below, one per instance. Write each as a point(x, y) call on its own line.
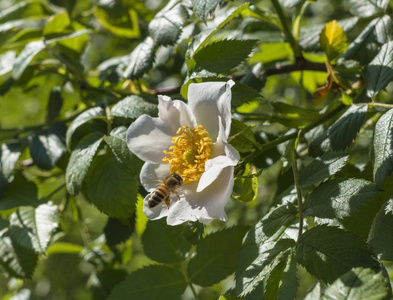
point(191, 140)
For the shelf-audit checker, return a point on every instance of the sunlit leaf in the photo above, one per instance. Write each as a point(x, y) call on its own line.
point(46, 149)
point(341, 134)
point(140, 60)
point(379, 72)
point(111, 187)
point(322, 167)
point(152, 282)
point(339, 198)
point(222, 56)
point(132, 107)
point(57, 23)
point(80, 161)
point(380, 238)
point(368, 8)
point(83, 118)
point(204, 8)
point(329, 252)
point(264, 247)
point(33, 227)
point(383, 147)
point(25, 57)
point(7, 60)
point(167, 25)
point(17, 261)
point(358, 283)
point(333, 40)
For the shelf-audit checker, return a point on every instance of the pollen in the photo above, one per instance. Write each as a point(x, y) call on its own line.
point(191, 149)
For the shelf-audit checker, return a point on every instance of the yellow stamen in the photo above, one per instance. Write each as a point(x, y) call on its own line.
point(191, 149)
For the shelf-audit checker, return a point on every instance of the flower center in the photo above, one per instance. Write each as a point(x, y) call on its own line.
point(191, 149)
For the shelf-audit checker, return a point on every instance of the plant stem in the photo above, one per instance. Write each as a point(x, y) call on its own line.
point(287, 30)
point(193, 291)
point(298, 190)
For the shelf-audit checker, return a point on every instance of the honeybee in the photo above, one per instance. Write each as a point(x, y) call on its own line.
point(169, 185)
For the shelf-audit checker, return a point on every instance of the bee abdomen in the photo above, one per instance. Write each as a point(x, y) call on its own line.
point(158, 195)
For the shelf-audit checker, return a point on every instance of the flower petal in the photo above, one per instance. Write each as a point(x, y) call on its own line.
point(207, 101)
point(203, 206)
point(214, 166)
point(175, 113)
point(152, 174)
point(148, 137)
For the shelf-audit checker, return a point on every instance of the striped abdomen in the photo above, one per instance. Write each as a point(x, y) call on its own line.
point(158, 195)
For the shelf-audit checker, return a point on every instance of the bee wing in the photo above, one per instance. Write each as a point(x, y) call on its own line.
point(154, 213)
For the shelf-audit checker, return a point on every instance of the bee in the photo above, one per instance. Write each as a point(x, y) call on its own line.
point(169, 185)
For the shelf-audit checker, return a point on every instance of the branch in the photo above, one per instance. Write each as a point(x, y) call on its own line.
point(299, 65)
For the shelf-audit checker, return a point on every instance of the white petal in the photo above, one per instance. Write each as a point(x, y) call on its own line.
point(207, 101)
point(152, 174)
point(175, 113)
point(148, 137)
point(203, 206)
point(214, 166)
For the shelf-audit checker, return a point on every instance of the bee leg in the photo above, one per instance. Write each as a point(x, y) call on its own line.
point(167, 202)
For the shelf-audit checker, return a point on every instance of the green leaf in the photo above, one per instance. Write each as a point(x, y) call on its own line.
point(46, 149)
point(54, 106)
point(329, 252)
point(383, 147)
point(20, 192)
point(111, 187)
point(264, 247)
point(204, 8)
point(242, 93)
point(222, 56)
point(341, 134)
point(242, 137)
point(33, 228)
point(7, 60)
point(216, 256)
point(140, 60)
point(19, 262)
point(333, 40)
point(83, 118)
point(282, 282)
point(105, 281)
point(200, 40)
point(132, 107)
point(124, 155)
point(293, 116)
point(245, 188)
point(25, 57)
point(56, 23)
point(322, 167)
point(368, 8)
point(358, 283)
point(364, 48)
point(118, 230)
point(379, 72)
point(167, 24)
point(9, 155)
point(339, 198)
point(164, 243)
point(380, 237)
point(152, 282)
point(80, 161)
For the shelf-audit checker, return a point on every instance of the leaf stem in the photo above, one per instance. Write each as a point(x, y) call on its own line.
point(287, 30)
point(193, 291)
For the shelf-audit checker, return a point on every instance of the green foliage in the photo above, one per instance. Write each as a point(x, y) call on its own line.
point(312, 111)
